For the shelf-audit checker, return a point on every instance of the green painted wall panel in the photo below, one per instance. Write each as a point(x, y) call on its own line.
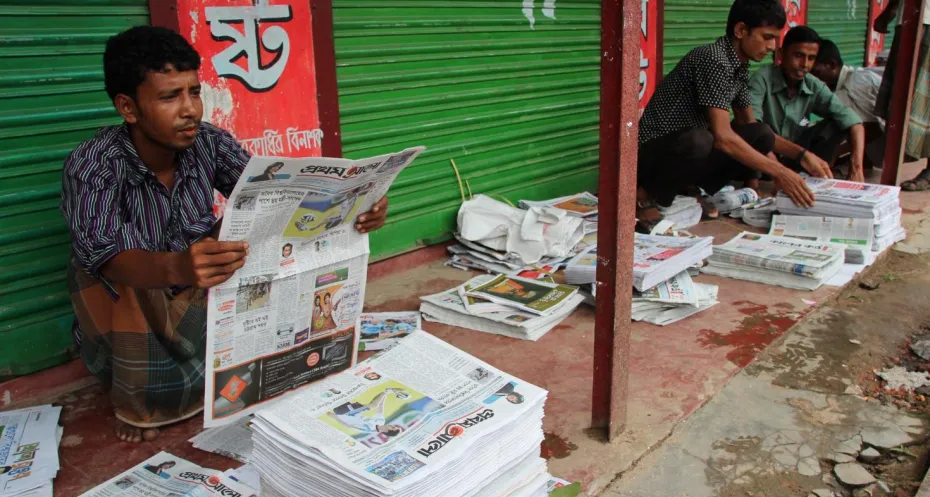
point(51, 98)
point(845, 22)
point(689, 23)
point(516, 107)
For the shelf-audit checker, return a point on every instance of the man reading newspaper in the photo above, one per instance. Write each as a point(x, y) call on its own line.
point(138, 199)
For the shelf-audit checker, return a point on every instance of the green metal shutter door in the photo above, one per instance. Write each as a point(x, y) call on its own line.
point(845, 22)
point(517, 108)
point(689, 23)
point(51, 98)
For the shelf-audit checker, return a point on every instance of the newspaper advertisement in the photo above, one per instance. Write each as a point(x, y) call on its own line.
point(28, 448)
point(288, 317)
point(778, 253)
point(233, 440)
point(421, 403)
point(166, 475)
point(378, 330)
point(534, 296)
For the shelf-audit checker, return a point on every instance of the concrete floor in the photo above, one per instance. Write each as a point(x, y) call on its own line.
point(673, 371)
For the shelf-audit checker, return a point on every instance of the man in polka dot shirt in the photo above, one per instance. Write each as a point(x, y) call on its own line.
point(686, 137)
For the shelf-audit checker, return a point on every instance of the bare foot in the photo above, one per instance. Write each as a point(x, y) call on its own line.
point(133, 434)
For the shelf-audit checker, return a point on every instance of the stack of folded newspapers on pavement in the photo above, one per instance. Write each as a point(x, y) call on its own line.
point(855, 234)
point(840, 198)
point(580, 205)
point(499, 238)
point(421, 418)
point(685, 212)
point(504, 305)
point(657, 258)
point(777, 260)
point(29, 440)
point(673, 300)
point(582, 269)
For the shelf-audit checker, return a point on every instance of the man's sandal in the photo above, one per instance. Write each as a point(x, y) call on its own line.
point(919, 184)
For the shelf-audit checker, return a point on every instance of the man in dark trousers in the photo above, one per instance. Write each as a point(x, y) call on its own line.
point(686, 137)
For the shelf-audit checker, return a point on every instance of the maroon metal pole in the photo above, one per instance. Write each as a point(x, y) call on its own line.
point(620, 38)
point(904, 73)
point(164, 13)
point(324, 58)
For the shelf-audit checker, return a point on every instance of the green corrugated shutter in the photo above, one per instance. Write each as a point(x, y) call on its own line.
point(515, 106)
point(51, 98)
point(689, 23)
point(845, 22)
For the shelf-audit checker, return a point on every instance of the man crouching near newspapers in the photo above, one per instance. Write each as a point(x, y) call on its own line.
point(138, 199)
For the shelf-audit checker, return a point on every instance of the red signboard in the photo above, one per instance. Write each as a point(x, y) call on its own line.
point(649, 64)
point(257, 72)
point(876, 41)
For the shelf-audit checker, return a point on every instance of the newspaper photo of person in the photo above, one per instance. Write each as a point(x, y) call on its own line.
point(507, 392)
point(270, 173)
point(323, 308)
point(160, 470)
point(521, 292)
point(245, 203)
point(381, 412)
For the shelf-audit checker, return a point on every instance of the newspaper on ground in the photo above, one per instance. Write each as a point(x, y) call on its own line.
point(540, 235)
point(29, 441)
point(166, 475)
point(662, 313)
point(582, 268)
point(449, 308)
point(776, 260)
point(685, 212)
point(533, 296)
point(757, 214)
point(657, 258)
point(288, 316)
point(729, 199)
point(419, 418)
point(233, 440)
point(855, 234)
point(378, 330)
point(580, 205)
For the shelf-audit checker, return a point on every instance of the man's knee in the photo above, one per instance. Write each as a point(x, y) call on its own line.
point(759, 135)
point(696, 143)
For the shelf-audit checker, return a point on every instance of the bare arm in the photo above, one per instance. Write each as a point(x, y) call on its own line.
point(727, 141)
point(857, 139)
point(887, 16)
point(205, 264)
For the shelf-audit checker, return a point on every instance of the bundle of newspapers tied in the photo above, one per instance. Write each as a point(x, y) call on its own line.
point(685, 212)
point(504, 305)
point(673, 300)
point(776, 260)
point(29, 440)
point(839, 198)
point(419, 418)
point(658, 258)
point(855, 234)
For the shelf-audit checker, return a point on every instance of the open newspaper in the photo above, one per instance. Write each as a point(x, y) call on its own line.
point(855, 234)
point(288, 316)
point(166, 475)
point(421, 418)
point(29, 450)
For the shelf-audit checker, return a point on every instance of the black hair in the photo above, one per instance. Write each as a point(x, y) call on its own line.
point(392, 431)
point(829, 53)
point(517, 396)
point(756, 13)
point(130, 55)
point(800, 34)
point(273, 165)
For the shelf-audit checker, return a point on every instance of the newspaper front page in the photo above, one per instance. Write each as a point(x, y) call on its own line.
point(288, 317)
point(856, 234)
point(166, 475)
point(28, 449)
point(420, 403)
point(777, 253)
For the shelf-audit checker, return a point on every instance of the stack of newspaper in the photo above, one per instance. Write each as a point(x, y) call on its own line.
point(582, 268)
point(659, 258)
point(685, 212)
point(168, 475)
point(839, 198)
point(420, 418)
point(29, 441)
point(673, 300)
point(503, 305)
point(855, 234)
point(775, 260)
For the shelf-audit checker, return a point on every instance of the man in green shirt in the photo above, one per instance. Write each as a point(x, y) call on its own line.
point(784, 96)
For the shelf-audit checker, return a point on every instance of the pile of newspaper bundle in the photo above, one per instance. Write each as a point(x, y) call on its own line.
point(776, 260)
point(855, 234)
point(420, 418)
point(673, 300)
point(29, 440)
point(503, 305)
point(659, 258)
point(838, 198)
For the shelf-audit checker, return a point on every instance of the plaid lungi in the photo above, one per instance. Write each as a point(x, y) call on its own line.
point(917, 134)
point(147, 348)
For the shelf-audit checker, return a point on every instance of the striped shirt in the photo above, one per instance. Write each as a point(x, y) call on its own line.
point(113, 202)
